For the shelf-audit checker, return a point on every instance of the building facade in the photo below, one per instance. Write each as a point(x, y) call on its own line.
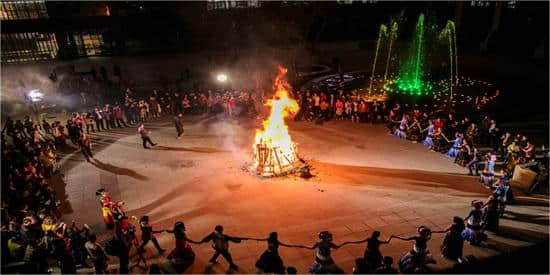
point(35, 30)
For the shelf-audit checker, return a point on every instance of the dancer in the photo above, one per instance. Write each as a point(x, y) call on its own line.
point(270, 261)
point(419, 256)
point(109, 208)
point(473, 232)
point(428, 141)
point(323, 260)
point(504, 194)
point(413, 131)
point(401, 131)
point(182, 253)
point(487, 176)
point(106, 212)
point(457, 143)
point(147, 235)
point(145, 136)
point(453, 242)
point(220, 243)
point(372, 255)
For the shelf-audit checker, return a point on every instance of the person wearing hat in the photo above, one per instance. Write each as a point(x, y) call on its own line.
point(220, 243)
point(147, 235)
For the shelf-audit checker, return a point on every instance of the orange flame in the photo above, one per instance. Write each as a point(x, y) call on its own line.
point(275, 132)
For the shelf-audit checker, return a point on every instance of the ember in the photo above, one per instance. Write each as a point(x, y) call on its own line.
point(274, 152)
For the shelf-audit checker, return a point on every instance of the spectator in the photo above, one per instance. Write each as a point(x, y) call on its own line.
point(387, 267)
point(97, 254)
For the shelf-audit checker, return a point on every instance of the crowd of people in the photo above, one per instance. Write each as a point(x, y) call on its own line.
point(33, 231)
point(437, 125)
point(31, 227)
point(72, 246)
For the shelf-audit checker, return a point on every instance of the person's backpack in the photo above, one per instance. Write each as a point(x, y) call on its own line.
point(112, 247)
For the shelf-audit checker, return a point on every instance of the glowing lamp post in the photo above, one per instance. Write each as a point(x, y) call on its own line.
point(222, 78)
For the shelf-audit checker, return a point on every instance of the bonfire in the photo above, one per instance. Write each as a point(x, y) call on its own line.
point(274, 152)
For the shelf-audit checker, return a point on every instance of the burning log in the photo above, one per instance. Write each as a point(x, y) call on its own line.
point(272, 161)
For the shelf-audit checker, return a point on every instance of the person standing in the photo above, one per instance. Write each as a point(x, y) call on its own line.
point(178, 122)
point(97, 254)
point(89, 122)
point(145, 136)
point(98, 116)
point(231, 105)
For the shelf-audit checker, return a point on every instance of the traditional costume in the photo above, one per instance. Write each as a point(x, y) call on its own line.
point(428, 141)
point(419, 255)
point(488, 174)
point(401, 131)
point(473, 226)
point(453, 152)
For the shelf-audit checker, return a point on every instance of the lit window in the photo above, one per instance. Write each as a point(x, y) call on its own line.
point(88, 44)
point(30, 46)
point(17, 10)
point(231, 4)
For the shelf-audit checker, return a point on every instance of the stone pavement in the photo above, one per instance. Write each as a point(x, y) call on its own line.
point(364, 180)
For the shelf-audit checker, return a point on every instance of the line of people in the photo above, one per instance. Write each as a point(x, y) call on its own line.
point(483, 216)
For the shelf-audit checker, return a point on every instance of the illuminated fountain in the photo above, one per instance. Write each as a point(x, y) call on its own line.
point(410, 79)
point(381, 33)
point(449, 33)
point(413, 80)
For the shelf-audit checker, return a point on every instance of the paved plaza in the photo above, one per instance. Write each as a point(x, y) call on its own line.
point(364, 180)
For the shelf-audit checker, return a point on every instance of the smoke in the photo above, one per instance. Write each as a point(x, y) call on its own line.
point(231, 134)
point(17, 80)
